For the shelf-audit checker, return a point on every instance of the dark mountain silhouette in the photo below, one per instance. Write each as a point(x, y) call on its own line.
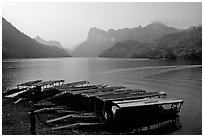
point(184, 44)
point(99, 40)
point(16, 44)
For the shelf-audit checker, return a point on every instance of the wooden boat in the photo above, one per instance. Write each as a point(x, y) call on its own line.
point(48, 84)
point(46, 93)
point(17, 93)
point(95, 91)
point(132, 96)
point(87, 87)
point(29, 83)
point(38, 91)
point(12, 91)
point(72, 85)
point(110, 105)
point(64, 89)
point(143, 110)
point(20, 87)
point(114, 92)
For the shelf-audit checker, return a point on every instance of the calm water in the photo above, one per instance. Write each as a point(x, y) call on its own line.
point(179, 79)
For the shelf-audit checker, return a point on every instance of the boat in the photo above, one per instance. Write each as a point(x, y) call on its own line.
point(11, 91)
point(146, 110)
point(20, 87)
point(111, 105)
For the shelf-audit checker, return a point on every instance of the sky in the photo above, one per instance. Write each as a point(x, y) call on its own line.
point(69, 22)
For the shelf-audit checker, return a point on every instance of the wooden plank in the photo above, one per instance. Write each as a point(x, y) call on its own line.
point(117, 98)
point(131, 94)
point(30, 83)
point(128, 101)
point(59, 118)
point(62, 87)
point(78, 83)
point(117, 92)
point(87, 87)
point(74, 125)
point(68, 86)
point(66, 126)
point(105, 90)
point(12, 91)
point(50, 109)
point(129, 97)
point(150, 102)
point(125, 95)
point(100, 92)
point(17, 101)
point(44, 104)
point(112, 88)
point(62, 93)
point(83, 91)
point(93, 91)
point(16, 94)
point(69, 111)
point(50, 82)
point(82, 115)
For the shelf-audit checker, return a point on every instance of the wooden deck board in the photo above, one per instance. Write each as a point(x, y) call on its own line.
point(68, 86)
point(82, 91)
point(136, 96)
point(82, 115)
point(125, 95)
point(50, 82)
point(93, 91)
point(128, 101)
point(74, 125)
point(120, 92)
point(105, 90)
point(29, 83)
point(149, 102)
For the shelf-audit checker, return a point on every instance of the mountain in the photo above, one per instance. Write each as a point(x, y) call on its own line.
point(16, 44)
point(127, 49)
point(69, 51)
point(184, 44)
point(99, 40)
point(49, 43)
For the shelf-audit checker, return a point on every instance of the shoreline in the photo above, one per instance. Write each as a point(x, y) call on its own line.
point(15, 120)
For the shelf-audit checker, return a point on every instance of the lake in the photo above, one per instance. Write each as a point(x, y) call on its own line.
point(179, 79)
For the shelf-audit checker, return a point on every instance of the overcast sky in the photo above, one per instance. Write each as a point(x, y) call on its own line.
point(69, 23)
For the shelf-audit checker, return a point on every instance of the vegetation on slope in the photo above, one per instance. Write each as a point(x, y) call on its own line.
point(184, 44)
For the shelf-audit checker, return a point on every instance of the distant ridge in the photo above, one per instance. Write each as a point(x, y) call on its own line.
point(185, 44)
point(16, 44)
point(99, 40)
point(49, 43)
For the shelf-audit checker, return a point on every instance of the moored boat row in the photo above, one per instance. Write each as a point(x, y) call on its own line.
point(110, 104)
